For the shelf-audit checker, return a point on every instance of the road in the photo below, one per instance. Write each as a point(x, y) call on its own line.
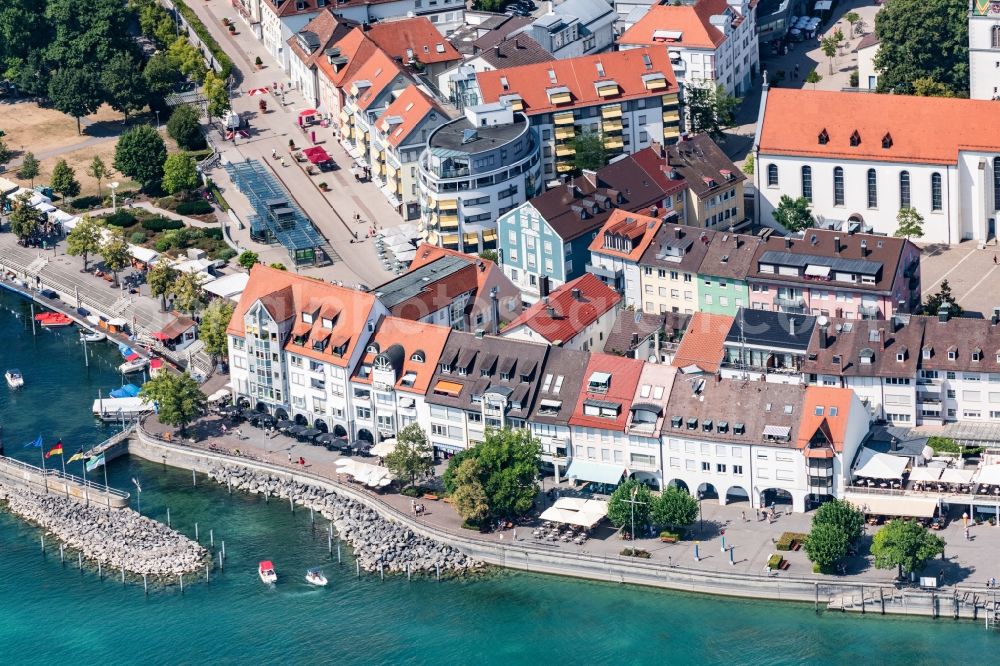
point(333, 212)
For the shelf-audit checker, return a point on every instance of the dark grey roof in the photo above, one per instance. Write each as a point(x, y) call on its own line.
point(771, 329)
point(453, 137)
point(564, 369)
point(858, 266)
point(410, 284)
point(514, 52)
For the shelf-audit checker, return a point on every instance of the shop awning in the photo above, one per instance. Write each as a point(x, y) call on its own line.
point(926, 473)
point(989, 474)
point(586, 470)
point(894, 505)
point(875, 465)
point(952, 475)
point(576, 511)
point(817, 271)
point(452, 389)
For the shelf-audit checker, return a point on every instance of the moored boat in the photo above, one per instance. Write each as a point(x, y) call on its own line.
point(133, 363)
point(315, 576)
point(93, 336)
point(266, 572)
point(53, 319)
point(14, 378)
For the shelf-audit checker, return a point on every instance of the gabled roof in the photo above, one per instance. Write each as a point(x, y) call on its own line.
point(356, 48)
point(677, 247)
point(569, 310)
point(730, 256)
point(962, 335)
point(794, 119)
point(486, 271)
point(514, 52)
point(624, 376)
point(869, 40)
point(427, 288)
point(405, 113)
point(651, 394)
point(634, 328)
point(846, 338)
point(827, 408)
point(287, 295)
point(286, 8)
point(415, 340)
point(773, 330)
point(376, 73)
point(640, 228)
point(702, 165)
point(328, 29)
point(417, 34)
point(703, 342)
point(559, 389)
point(631, 72)
point(678, 25)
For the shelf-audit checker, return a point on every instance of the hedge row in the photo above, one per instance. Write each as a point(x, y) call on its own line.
point(206, 38)
point(788, 540)
point(161, 224)
point(196, 207)
point(121, 219)
point(81, 203)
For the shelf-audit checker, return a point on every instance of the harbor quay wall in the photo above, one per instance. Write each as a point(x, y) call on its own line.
point(853, 596)
point(52, 482)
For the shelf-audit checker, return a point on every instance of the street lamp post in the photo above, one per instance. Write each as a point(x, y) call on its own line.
point(701, 517)
point(632, 502)
point(114, 199)
point(157, 119)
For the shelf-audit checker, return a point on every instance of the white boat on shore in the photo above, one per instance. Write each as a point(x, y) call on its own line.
point(116, 409)
point(134, 363)
point(315, 576)
point(266, 572)
point(14, 378)
point(93, 336)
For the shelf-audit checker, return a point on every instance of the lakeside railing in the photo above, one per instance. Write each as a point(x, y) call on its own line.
point(22, 471)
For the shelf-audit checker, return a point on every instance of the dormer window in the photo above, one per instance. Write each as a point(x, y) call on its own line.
point(692, 424)
point(824, 138)
point(327, 323)
point(855, 139)
point(901, 356)
point(887, 141)
point(927, 351)
point(739, 429)
point(505, 376)
point(372, 348)
point(307, 317)
point(952, 354)
point(675, 421)
point(977, 355)
point(417, 357)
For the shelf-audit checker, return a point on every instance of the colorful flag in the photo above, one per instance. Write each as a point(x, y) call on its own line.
point(55, 450)
point(35, 444)
point(137, 486)
point(76, 456)
point(94, 463)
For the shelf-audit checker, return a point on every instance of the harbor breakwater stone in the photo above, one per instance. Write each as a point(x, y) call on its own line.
point(374, 539)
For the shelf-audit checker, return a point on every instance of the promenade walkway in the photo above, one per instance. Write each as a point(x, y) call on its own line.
point(966, 562)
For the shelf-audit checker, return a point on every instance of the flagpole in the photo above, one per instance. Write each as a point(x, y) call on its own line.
point(45, 479)
point(107, 492)
point(86, 488)
point(62, 459)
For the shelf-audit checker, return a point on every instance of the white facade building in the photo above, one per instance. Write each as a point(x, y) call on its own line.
point(984, 50)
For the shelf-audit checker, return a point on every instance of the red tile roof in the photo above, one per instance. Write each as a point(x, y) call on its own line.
point(328, 28)
point(692, 21)
point(411, 107)
point(572, 315)
point(834, 426)
point(641, 229)
point(912, 126)
point(411, 336)
point(580, 76)
point(379, 70)
point(428, 253)
point(418, 34)
point(291, 8)
point(357, 48)
point(625, 374)
point(702, 344)
point(287, 295)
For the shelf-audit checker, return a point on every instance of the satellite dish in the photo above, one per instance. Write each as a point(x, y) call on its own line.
point(822, 320)
point(839, 327)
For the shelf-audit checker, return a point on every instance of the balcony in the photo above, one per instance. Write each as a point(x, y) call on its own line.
point(786, 303)
point(604, 273)
point(929, 398)
point(870, 312)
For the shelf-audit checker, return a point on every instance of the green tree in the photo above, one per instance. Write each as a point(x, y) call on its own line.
point(115, 252)
point(178, 398)
point(24, 220)
point(906, 545)
point(180, 173)
point(814, 77)
point(32, 75)
point(185, 128)
point(140, 154)
point(620, 507)
point(748, 164)
point(928, 87)
point(853, 19)
point(278, 266)
point(247, 259)
point(215, 92)
point(826, 545)
point(64, 180)
point(124, 86)
point(212, 330)
point(793, 214)
point(507, 463)
point(88, 34)
point(934, 302)
point(829, 47)
point(843, 516)
point(412, 458)
point(29, 168)
point(674, 508)
point(709, 110)
point(187, 292)
point(187, 60)
point(470, 496)
point(5, 153)
point(489, 255)
point(76, 93)
point(84, 239)
point(919, 39)
point(23, 33)
point(160, 279)
point(98, 171)
point(590, 153)
point(161, 75)
point(911, 223)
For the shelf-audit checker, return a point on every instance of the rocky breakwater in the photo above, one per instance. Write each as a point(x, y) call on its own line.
point(119, 538)
point(375, 540)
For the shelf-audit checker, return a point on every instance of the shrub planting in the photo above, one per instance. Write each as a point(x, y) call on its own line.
point(196, 207)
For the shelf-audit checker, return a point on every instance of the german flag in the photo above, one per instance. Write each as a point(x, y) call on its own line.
point(55, 450)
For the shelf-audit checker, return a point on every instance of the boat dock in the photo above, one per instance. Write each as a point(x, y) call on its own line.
point(114, 446)
point(52, 481)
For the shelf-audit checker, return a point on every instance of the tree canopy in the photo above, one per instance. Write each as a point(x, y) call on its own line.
point(215, 92)
point(247, 259)
point(212, 330)
point(187, 292)
point(24, 219)
point(506, 467)
point(75, 92)
point(826, 546)
point(180, 173)
point(178, 398)
point(710, 110)
point(620, 508)
point(98, 171)
point(64, 180)
point(590, 153)
point(674, 508)
point(906, 545)
point(160, 279)
point(124, 85)
point(185, 128)
point(933, 302)
point(923, 40)
point(140, 154)
point(84, 239)
point(911, 223)
point(115, 252)
point(844, 516)
point(29, 168)
point(793, 214)
point(412, 458)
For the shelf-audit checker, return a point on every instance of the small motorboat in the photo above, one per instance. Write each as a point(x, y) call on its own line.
point(315, 577)
point(93, 336)
point(266, 572)
point(133, 363)
point(14, 378)
point(53, 320)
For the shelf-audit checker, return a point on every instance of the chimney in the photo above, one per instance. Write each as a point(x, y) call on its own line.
point(496, 50)
point(864, 248)
point(791, 326)
point(551, 312)
point(824, 339)
point(678, 232)
point(736, 241)
point(882, 337)
point(788, 242)
point(495, 310)
point(480, 333)
point(944, 312)
point(635, 339)
point(482, 266)
point(365, 27)
point(517, 43)
point(656, 344)
point(836, 244)
point(577, 295)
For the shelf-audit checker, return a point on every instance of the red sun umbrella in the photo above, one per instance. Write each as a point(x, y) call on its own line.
point(253, 92)
point(307, 112)
point(316, 155)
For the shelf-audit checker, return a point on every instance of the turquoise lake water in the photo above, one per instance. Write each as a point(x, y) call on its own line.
point(53, 614)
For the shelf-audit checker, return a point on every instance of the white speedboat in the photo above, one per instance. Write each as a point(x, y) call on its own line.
point(315, 577)
point(14, 378)
point(266, 572)
point(93, 336)
point(133, 363)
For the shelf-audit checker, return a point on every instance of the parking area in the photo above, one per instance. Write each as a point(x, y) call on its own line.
point(969, 272)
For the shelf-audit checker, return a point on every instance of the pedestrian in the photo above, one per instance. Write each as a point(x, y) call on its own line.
point(744, 513)
point(966, 533)
point(993, 582)
point(756, 513)
point(994, 260)
point(795, 76)
point(274, 153)
point(302, 461)
point(289, 456)
point(413, 506)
